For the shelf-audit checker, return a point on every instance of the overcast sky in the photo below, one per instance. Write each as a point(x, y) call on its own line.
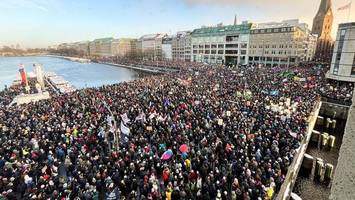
point(39, 23)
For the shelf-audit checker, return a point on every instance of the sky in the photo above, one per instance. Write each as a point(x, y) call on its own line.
point(39, 23)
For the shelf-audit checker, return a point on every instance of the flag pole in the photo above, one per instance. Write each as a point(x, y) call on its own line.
point(349, 11)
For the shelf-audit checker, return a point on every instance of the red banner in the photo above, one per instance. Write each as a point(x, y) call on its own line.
point(23, 74)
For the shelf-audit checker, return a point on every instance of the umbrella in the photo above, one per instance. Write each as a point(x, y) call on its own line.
point(161, 146)
point(184, 148)
point(167, 155)
point(184, 155)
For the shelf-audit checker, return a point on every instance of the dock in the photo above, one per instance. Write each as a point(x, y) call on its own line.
point(58, 83)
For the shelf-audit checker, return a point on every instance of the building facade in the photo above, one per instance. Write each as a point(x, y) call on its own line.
point(83, 48)
point(281, 44)
point(101, 47)
point(322, 26)
point(343, 60)
point(151, 46)
point(166, 48)
point(181, 46)
point(221, 44)
point(124, 47)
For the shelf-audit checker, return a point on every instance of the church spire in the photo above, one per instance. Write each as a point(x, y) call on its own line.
point(324, 7)
point(322, 26)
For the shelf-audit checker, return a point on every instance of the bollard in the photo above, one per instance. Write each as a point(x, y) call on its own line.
point(319, 170)
point(334, 123)
point(331, 142)
point(328, 122)
point(320, 121)
point(328, 173)
point(334, 114)
point(307, 164)
point(324, 141)
point(315, 136)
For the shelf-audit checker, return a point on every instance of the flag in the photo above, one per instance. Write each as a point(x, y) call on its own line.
point(347, 6)
point(166, 102)
point(293, 134)
point(274, 93)
point(248, 94)
point(141, 117)
point(125, 118)
point(151, 116)
point(238, 94)
point(161, 119)
point(109, 120)
point(124, 129)
point(23, 74)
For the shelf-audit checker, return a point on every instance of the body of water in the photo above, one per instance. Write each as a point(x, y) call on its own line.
point(80, 75)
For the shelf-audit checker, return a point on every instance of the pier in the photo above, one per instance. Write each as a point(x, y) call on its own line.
point(58, 83)
point(28, 98)
point(144, 68)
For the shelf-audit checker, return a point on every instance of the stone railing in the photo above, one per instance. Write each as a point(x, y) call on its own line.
point(293, 169)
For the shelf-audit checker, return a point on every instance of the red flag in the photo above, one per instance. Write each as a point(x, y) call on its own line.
point(23, 74)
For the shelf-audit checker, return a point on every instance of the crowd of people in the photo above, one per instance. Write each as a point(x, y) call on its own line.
point(179, 65)
point(204, 133)
point(340, 92)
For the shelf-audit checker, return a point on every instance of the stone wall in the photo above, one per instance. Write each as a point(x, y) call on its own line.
point(343, 187)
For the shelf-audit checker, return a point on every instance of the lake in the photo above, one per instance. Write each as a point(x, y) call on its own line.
point(80, 75)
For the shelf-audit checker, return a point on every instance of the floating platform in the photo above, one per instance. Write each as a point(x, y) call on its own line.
point(28, 98)
point(58, 83)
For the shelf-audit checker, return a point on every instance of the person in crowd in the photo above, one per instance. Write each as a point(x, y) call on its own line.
point(207, 132)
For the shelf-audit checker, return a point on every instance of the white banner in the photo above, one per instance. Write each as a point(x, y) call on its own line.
point(125, 118)
point(124, 129)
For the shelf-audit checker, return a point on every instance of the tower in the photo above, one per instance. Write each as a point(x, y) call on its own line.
point(322, 26)
point(235, 20)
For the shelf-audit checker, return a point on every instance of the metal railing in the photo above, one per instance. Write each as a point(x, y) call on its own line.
point(336, 101)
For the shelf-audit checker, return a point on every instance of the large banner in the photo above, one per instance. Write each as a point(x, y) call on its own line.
point(23, 74)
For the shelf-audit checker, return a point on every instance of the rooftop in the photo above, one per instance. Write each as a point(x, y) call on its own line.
point(349, 24)
point(108, 39)
point(221, 30)
point(152, 36)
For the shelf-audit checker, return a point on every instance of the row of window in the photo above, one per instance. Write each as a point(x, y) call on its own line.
point(195, 57)
point(195, 46)
point(242, 52)
point(214, 46)
point(274, 46)
point(275, 59)
point(274, 30)
point(273, 52)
